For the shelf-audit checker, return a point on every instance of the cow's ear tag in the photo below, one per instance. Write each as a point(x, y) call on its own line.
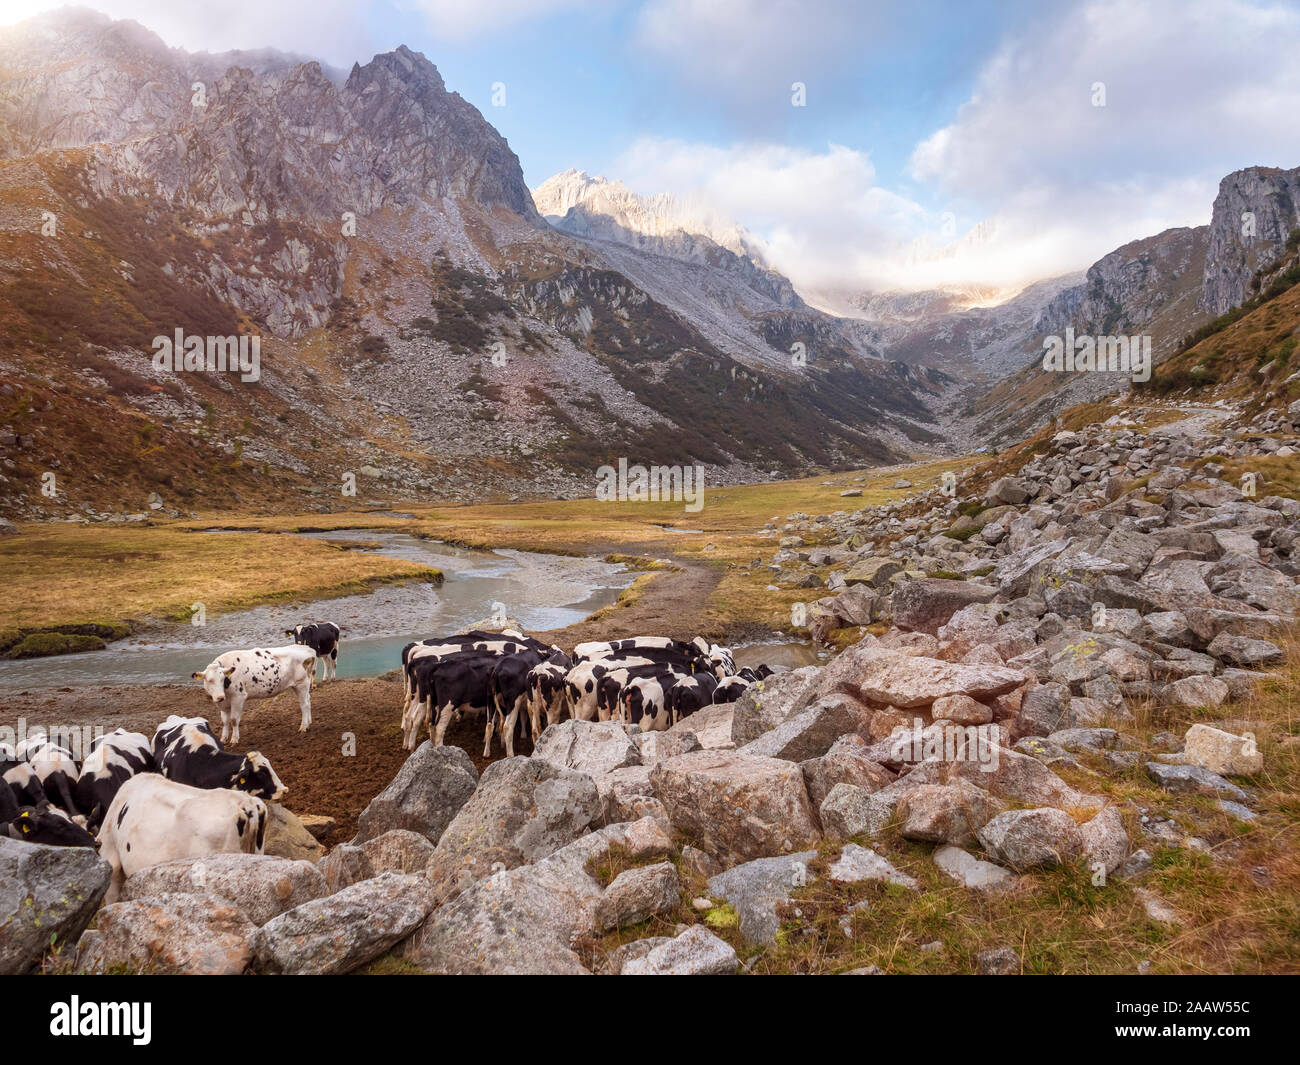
point(230, 672)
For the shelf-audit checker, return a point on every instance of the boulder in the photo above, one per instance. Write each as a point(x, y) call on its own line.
point(946, 813)
point(636, 895)
point(288, 837)
point(1243, 651)
point(344, 931)
point(711, 726)
point(1032, 839)
point(1007, 491)
point(770, 701)
point(522, 810)
point(927, 604)
point(848, 811)
point(591, 747)
point(1194, 780)
point(755, 890)
point(425, 795)
point(1195, 691)
point(906, 681)
point(1105, 840)
point(874, 572)
point(845, 763)
point(262, 886)
point(1222, 752)
point(47, 897)
point(961, 709)
point(169, 935)
point(696, 952)
point(736, 807)
point(520, 921)
point(812, 732)
point(398, 851)
point(626, 794)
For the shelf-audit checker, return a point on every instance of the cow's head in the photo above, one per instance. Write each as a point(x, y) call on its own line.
point(295, 632)
point(256, 777)
point(48, 825)
point(215, 681)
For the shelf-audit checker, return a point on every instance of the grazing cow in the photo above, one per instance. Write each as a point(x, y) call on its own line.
point(24, 785)
point(662, 649)
point(153, 819)
point(185, 750)
point(471, 643)
point(237, 676)
point(719, 662)
point(40, 824)
point(730, 689)
point(690, 694)
point(323, 638)
point(444, 690)
point(56, 769)
point(113, 760)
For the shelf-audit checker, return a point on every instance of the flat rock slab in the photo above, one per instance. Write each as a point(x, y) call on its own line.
point(909, 681)
point(856, 864)
point(1193, 780)
point(972, 872)
point(755, 889)
point(696, 952)
point(344, 931)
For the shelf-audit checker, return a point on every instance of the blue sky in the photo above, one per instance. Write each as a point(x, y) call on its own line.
point(926, 121)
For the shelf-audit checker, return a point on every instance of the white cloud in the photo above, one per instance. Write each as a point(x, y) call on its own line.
point(463, 19)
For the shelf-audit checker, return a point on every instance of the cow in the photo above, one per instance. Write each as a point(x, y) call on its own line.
point(719, 661)
point(690, 694)
point(471, 643)
point(153, 819)
point(237, 676)
point(447, 689)
point(663, 649)
point(508, 691)
point(24, 785)
point(113, 760)
point(547, 692)
point(730, 689)
point(323, 638)
point(40, 824)
point(56, 769)
point(643, 700)
point(185, 750)
point(582, 684)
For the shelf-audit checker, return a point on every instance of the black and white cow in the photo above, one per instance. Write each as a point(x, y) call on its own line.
point(509, 692)
point(237, 676)
point(730, 689)
point(583, 684)
point(113, 760)
point(547, 692)
point(323, 638)
point(24, 785)
point(474, 642)
point(690, 694)
point(56, 769)
point(643, 700)
point(40, 824)
point(445, 689)
point(185, 750)
point(153, 820)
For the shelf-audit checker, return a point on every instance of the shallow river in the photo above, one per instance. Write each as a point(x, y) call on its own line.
point(541, 591)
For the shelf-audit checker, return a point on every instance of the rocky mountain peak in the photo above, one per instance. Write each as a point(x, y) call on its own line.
point(1254, 213)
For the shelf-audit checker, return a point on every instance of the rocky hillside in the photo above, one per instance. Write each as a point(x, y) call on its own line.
point(422, 328)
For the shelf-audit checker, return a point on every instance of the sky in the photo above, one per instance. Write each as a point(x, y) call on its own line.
point(935, 143)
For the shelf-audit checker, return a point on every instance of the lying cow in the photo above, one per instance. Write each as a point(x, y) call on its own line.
point(185, 750)
point(153, 820)
point(237, 676)
point(113, 760)
point(323, 638)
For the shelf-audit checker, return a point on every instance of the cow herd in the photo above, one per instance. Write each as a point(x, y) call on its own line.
point(513, 681)
point(141, 800)
point(144, 800)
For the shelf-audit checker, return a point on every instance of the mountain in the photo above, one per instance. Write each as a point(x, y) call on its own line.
point(1255, 213)
point(422, 328)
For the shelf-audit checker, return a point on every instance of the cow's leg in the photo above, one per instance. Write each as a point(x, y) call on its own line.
point(535, 717)
point(304, 703)
point(445, 715)
point(493, 715)
point(236, 714)
point(334, 664)
point(512, 722)
point(225, 722)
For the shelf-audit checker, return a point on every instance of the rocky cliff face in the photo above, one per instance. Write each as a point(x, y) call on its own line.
point(1255, 212)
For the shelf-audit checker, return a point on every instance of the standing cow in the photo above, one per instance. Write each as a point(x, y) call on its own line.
point(153, 820)
point(113, 760)
point(323, 638)
point(237, 676)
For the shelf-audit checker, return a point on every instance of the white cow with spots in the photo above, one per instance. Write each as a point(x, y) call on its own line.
point(237, 676)
point(153, 820)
